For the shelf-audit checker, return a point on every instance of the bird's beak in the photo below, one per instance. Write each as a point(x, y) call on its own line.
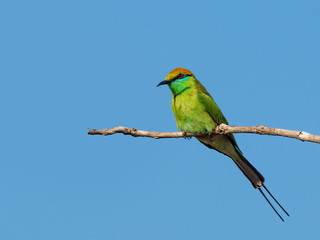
point(163, 82)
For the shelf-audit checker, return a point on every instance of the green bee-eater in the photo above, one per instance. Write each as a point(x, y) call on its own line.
point(196, 112)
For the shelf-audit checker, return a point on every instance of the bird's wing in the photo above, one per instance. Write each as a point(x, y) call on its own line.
point(214, 111)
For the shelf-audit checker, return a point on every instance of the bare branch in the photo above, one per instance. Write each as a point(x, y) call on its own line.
point(221, 129)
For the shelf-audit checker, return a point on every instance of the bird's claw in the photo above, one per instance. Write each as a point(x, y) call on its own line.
point(184, 134)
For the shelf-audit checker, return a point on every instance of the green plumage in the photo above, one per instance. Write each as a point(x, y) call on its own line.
point(196, 111)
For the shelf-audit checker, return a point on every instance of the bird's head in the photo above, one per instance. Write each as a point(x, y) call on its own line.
point(178, 79)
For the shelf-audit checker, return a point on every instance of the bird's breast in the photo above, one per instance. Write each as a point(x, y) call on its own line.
point(190, 114)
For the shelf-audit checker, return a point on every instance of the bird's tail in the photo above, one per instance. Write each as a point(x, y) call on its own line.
point(256, 179)
point(254, 176)
point(223, 145)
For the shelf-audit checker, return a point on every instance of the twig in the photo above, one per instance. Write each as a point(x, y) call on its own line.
point(221, 129)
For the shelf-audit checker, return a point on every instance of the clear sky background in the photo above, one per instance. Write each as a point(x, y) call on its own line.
point(67, 66)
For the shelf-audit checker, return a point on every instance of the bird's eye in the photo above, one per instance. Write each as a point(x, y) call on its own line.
point(180, 76)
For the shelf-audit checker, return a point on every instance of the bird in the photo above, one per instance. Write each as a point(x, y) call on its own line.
point(195, 111)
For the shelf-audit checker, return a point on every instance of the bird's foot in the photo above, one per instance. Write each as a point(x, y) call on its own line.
point(184, 134)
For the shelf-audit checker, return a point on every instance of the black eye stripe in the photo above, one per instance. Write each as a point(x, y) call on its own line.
point(180, 76)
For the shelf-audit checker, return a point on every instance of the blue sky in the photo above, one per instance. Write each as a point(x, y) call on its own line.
point(67, 66)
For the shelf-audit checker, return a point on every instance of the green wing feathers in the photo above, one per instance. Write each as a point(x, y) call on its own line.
point(225, 143)
point(214, 111)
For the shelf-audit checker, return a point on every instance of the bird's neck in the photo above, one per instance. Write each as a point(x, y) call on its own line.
point(178, 88)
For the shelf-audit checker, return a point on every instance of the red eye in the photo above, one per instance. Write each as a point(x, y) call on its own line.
point(180, 75)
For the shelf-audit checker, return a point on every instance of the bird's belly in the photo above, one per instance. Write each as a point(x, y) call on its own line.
point(220, 143)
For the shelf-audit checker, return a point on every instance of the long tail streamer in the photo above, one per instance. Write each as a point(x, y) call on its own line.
point(271, 203)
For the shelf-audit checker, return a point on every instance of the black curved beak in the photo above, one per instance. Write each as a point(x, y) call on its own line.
point(163, 83)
